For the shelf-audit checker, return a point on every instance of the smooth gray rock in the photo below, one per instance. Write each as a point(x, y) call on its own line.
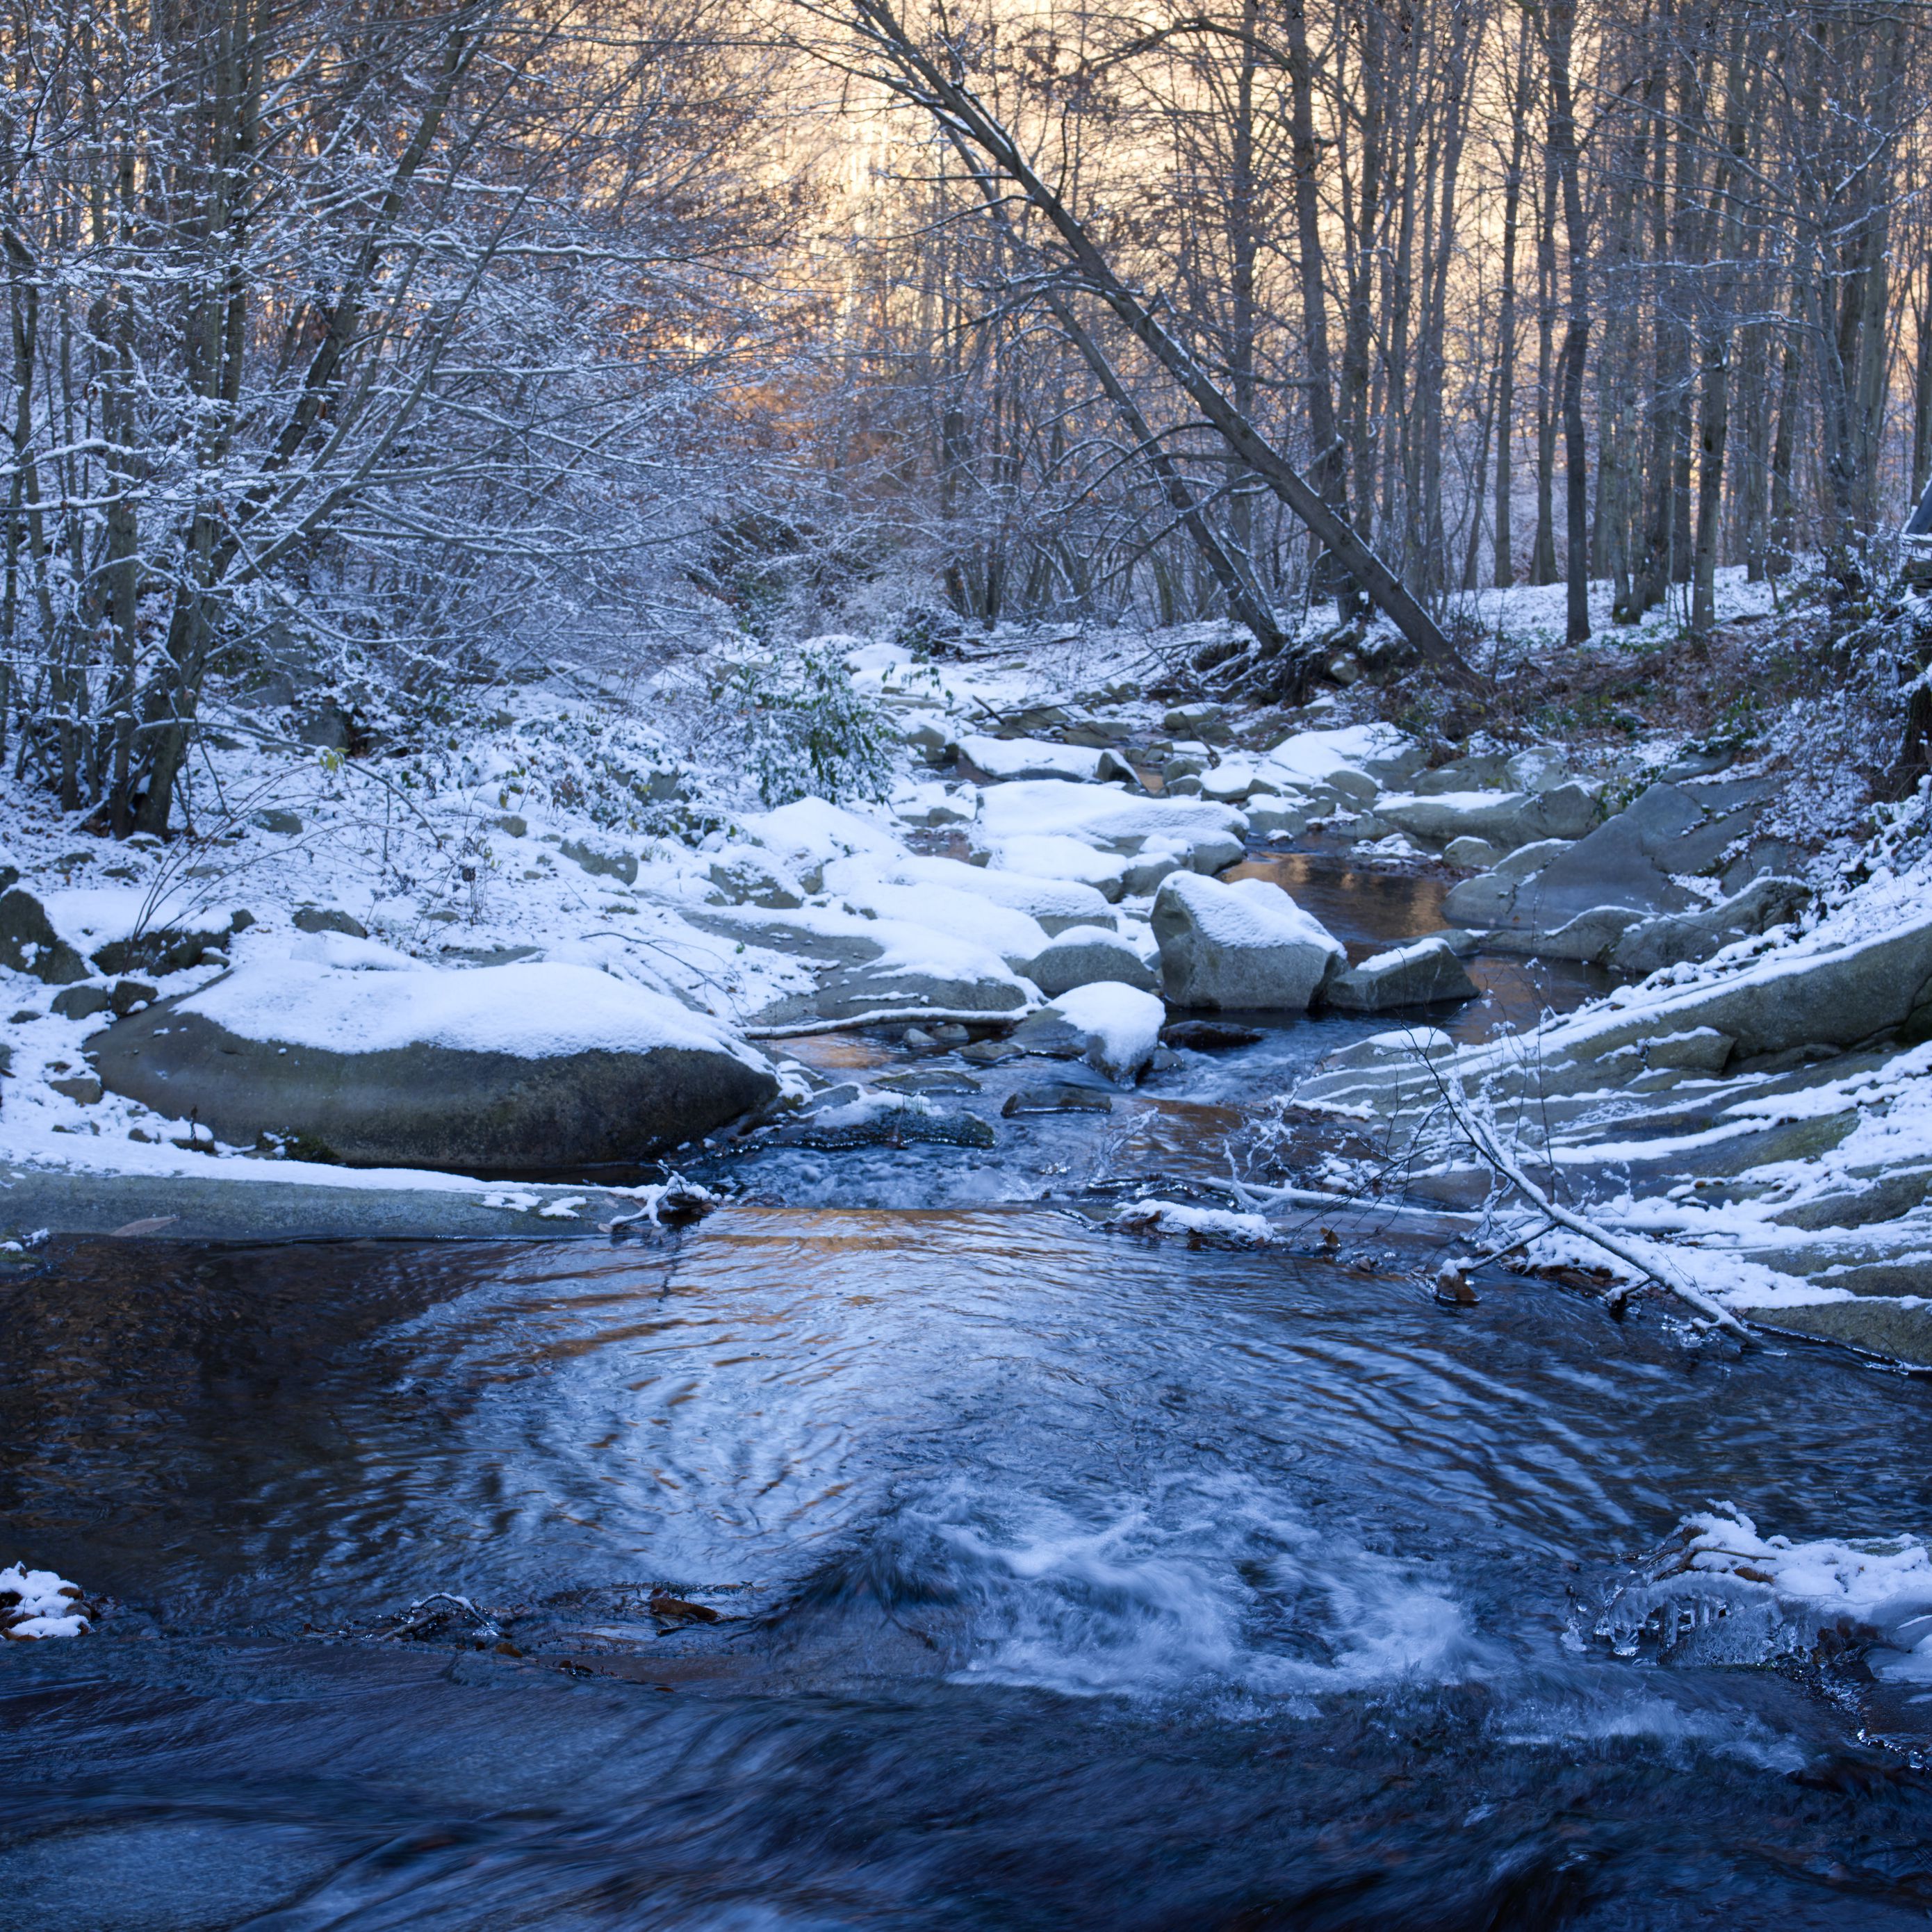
point(602, 858)
point(1477, 854)
point(1141, 877)
point(1216, 854)
point(1630, 859)
point(1409, 976)
point(425, 1105)
point(1084, 956)
point(1507, 819)
point(1675, 938)
point(1276, 819)
point(871, 989)
point(329, 918)
point(81, 1003)
point(1486, 772)
point(277, 819)
point(1589, 938)
point(1243, 946)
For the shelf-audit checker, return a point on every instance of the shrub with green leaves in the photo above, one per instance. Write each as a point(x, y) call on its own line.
point(809, 730)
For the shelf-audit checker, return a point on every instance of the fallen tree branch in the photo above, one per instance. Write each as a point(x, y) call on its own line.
point(1480, 1136)
point(890, 1016)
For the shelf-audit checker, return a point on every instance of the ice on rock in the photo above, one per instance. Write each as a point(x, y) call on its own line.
point(1717, 1591)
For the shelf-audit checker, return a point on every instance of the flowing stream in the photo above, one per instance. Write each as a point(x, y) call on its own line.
point(922, 1555)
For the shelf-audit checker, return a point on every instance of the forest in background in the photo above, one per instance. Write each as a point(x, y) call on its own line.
point(401, 344)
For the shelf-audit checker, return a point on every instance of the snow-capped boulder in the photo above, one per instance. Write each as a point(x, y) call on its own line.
point(1011, 761)
point(1084, 955)
point(1244, 945)
point(489, 1071)
point(1114, 1027)
point(1407, 976)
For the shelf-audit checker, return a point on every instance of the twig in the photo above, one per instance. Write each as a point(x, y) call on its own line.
point(1486, 1144)
point(890, 1016)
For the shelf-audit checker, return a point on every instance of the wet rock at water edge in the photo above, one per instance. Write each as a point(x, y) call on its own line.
point(930, 1080)
point(519, 1068)
point(1056, 1097)
point(990, 1052)
point(1415, 975)
point(1208, 1035)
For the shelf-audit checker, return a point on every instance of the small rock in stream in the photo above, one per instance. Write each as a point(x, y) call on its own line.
point(990, 1052)
point(1058, 1097)
point(930, 1080)
point(1208, 1035)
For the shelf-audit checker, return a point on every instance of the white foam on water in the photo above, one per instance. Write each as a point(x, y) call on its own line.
point(1203, 1586)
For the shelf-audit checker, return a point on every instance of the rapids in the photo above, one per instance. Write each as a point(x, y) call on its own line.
point(855, 1561)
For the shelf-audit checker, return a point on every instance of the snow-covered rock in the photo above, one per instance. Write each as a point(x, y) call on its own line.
point(39, 1603)
point(1244, 945)
point(488, 1071)
point(1013, 759)
point(1379, 752)
point(1058, 856)
point(1084, 954)
point(1114, 1027)
point(1408, 976)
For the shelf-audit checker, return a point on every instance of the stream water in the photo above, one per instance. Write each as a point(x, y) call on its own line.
point(1055, 1578)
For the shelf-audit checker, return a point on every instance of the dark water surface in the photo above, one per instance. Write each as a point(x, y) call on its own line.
point(1059, 1579)
point(1068, 1581)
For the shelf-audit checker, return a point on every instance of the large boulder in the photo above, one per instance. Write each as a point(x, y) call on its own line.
point(1635, 858)
point(491, 1071)
point(1506, 819)
point(1409, 976)
point(1247, 945)
point(29, 943)
point(1084, 956)
point(1675, 938)
point(1012, 761)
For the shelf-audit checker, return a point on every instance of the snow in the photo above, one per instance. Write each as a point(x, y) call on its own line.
point(1247, 912)
point(1038, 898)
point(1101, 814)
point(815, 828)
point(1312, 756)
point(36, 1603)
point(960, 914)
point(1212, 1224)
point(1122, 1024)
point(1053, 855)
point(534, 1011)
point(1006, 757)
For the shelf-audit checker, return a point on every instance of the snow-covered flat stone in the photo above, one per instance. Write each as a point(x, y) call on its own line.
point(1244, 945)
point(514, 1067)
point(1007, 761)
point(1505, 820)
